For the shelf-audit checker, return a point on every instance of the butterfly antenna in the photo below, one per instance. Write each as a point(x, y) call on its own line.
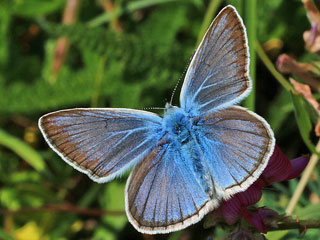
point(153, 108)
point(175, 87)
point(182, 75)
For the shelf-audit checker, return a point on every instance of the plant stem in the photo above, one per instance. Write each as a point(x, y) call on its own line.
point(267, 62)
point(283, 225)
point(98, 81)
point(303, 181)
point(301, 225)
point(250, 19)
point(62, 45)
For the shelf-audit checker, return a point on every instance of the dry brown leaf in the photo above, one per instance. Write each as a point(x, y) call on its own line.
point(312, 37)
point(305, 91)
point(287, 64)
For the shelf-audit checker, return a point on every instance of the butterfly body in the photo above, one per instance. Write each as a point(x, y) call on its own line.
point(188, 161)
point(181, 132)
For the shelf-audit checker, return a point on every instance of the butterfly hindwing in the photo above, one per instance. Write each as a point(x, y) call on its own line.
point(102, 143)
point(163, 194)
point(218, 73)
point(237, 144)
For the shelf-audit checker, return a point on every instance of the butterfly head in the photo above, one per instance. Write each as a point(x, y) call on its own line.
point(169, 108)
point(177, 123)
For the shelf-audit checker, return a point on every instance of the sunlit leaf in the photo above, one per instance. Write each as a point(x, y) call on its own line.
point(113, 200)
point(22, 149)
point(29, 231)
point(311, 211)
point(278, 235)
point(31, 8)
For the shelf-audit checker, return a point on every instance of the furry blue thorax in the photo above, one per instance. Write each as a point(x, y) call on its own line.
point(178, 124)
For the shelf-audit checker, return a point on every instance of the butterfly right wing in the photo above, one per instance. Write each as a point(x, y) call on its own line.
point(102, 143)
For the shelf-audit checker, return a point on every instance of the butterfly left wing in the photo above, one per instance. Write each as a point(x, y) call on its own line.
point(102, 143)
point(163, 194)
point(218, 74)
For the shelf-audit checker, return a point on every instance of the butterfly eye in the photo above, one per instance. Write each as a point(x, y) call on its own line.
point(178, 129)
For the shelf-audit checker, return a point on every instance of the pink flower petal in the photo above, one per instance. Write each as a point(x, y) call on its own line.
point(231, 210)
point(278, 168)
point(269, 217)
point(249, 197)
point(298, 165)
point(255, 219)
point(267, 213)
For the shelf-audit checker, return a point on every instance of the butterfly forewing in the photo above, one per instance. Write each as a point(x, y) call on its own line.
point(218, 73)
point(102, 143)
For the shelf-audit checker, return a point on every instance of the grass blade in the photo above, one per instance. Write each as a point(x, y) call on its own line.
point(22, 149)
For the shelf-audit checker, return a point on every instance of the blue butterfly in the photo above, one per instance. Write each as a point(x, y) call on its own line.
point(189, 160)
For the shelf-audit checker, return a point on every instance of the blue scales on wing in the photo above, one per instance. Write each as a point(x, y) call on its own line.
point(164, 193)
point(102, 143)
point(236, 144)
point(218, 73)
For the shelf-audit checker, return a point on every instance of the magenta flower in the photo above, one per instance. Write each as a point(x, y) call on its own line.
point(278, 169)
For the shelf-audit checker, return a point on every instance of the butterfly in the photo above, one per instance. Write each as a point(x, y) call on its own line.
point(189, 160)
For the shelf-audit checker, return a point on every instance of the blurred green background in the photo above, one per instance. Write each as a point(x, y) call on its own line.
point(118, 53)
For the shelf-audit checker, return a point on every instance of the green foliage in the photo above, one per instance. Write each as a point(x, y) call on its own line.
point(23, 150)
point(35, 8)
point(134, 64)
point(303, 120)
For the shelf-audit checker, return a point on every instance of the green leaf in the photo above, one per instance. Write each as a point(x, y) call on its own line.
point(281, 103)
point(132, 6)
point(176, 235)
point(276, 235)
point(31, 8)
point(22, 149)
point(9, 198)
point(5, 19)
point(5, 236)
point(303, 120)
point(114, 200)
point(309, 212)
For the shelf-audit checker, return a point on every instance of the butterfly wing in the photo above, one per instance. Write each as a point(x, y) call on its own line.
point(103, 143)
point(218, 73)
point(176, 185)
point(163, 195)
point(237, 145)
